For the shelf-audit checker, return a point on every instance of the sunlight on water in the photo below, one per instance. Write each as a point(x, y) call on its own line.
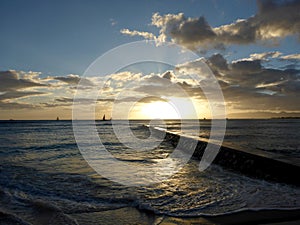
point(42, 169)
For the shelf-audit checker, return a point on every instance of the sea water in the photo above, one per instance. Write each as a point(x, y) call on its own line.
point(44, 177)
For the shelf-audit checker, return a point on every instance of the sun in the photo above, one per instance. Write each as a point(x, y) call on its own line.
point(168, 108)
point(159, 110)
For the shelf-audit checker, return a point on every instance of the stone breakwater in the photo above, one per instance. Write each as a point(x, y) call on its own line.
point(254, 163)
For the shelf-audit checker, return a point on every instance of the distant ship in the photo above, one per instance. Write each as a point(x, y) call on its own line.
point(57, 118)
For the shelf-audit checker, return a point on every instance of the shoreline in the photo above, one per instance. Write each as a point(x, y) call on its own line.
point(132, 215)
point(264, 216)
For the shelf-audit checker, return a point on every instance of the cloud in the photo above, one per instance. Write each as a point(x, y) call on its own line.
point(264, 55)
point(273, 21)
point(17, 94)
point(218, 62)
point(252, 74)
point(66, 101)
point(113, 22)
point(246, 66)
point(74, 80)
point(169, 75)
point(185, 31)
point(16, 106)
point(14, 85)
point(15, 80)
point(167, 85)
point(142, 99)
point(247, 84)
point(277, 19)
point(146, 35)
point(151, 99)
point(292, 57)
point(124, 76)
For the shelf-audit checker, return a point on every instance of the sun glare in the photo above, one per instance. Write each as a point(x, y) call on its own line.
point(159, 110)
point(170, 108)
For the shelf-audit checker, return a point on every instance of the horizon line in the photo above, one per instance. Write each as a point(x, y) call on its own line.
point(227, 118)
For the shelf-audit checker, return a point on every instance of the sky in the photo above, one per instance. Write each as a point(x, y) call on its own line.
point(251, 47)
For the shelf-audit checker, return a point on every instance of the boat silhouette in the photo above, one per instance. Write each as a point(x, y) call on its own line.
point(104, 119)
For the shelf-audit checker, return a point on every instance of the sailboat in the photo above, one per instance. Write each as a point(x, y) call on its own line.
point(57, 118)
point(104, 119)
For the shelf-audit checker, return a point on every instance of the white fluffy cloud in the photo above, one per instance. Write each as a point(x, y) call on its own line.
point(146, 35)
point(291, 57)
point(264, 55)
point(273, 21)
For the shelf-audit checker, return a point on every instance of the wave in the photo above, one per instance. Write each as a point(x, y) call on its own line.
point(150, 161)
point(197, 213)
point(49, 180)
point(11, 219)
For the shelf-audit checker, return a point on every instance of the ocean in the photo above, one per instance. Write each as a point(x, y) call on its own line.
point(44, 178)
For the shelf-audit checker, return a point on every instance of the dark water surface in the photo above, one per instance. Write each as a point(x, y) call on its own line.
point(45, 180)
